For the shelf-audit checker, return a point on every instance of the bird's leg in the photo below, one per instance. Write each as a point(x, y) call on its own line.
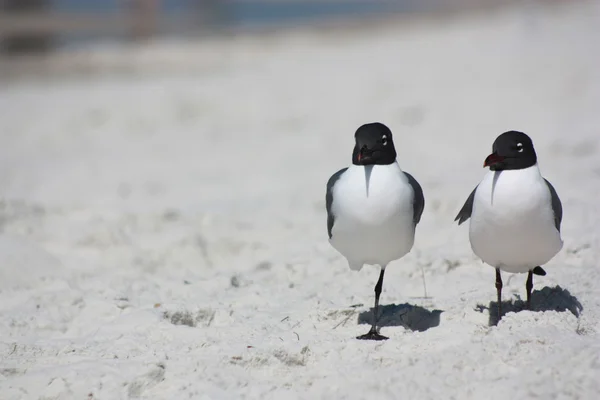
point(372, 334)
point(529, 286)
point(499, 291)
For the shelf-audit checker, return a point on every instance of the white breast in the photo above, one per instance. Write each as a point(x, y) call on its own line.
point(512, 223)
point(373, 209)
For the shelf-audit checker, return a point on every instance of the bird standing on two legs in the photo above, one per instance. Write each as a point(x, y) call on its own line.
point(515, 213)
point(373, 207)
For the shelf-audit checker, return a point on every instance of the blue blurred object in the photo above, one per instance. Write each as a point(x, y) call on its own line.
point(146, 18)
point(185, 16)
point(241, 12)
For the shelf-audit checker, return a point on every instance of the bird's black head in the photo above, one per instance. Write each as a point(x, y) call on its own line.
point(511, 150)
point(374, 145)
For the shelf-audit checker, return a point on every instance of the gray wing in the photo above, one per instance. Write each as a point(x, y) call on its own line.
point(556, 205)
point(329, 199)
point(419, 200)
point(466, 210)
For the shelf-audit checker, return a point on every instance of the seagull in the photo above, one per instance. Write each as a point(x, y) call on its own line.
point(515, 213)
point(373, 207)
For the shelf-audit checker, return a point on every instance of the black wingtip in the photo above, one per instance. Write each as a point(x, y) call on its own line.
point(467, 208)
point(539, 271)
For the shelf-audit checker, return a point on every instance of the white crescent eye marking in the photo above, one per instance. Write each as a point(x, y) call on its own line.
point(384, 140)
point(520, 147)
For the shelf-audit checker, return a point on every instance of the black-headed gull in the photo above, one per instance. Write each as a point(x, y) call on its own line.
point(515, 213)
point(373, 207)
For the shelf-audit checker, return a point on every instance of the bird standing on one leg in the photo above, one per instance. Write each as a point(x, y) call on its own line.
point(373, 207)
point(515, 213)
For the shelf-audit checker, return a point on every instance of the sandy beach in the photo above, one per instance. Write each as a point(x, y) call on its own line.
point(163, 228)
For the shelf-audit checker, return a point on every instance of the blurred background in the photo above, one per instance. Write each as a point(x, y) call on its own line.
point(34, 27)
point(41, 25)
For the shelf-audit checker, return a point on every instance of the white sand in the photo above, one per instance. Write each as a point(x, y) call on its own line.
point(164, 234)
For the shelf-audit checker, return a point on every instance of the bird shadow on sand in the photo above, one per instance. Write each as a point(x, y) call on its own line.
point(415, 318)
point(547, 299)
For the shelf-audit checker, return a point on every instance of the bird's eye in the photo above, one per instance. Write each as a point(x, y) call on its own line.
point(520, 147)
point(384, 140)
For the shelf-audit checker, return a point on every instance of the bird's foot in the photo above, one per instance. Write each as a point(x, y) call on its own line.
point(372, 335)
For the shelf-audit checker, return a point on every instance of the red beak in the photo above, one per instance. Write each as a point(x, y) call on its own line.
point(492, 159)
point(363, 153)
